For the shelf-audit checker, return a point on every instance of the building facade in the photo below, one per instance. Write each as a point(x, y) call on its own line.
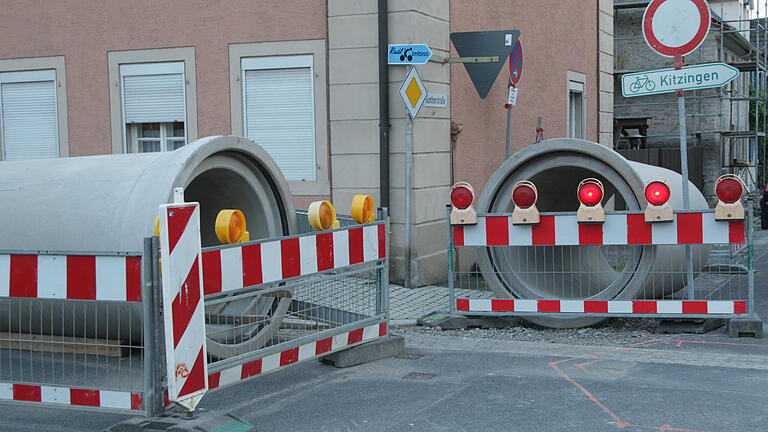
point(302, 78)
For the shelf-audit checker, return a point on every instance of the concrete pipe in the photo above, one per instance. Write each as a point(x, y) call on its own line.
point(109, 203)
point(556, 167)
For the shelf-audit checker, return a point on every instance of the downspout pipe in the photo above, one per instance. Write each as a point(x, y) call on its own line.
point(383, 104)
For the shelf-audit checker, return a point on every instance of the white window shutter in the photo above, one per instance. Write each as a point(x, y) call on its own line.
point(154, 98)
point(280, 117)
point(29, 120)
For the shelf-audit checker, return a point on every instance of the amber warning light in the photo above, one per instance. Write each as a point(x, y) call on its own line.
point(658, 209)
point(462, 203)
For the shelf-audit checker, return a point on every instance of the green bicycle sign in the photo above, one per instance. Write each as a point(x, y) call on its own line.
point(686, 78)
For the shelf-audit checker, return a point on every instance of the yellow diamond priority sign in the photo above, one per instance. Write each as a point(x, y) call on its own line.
point(413, 92)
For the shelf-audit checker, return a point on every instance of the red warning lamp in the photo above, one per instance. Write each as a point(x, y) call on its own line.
point(729, 189)
point(658, 209)
point(462, 200)
point(590, 193)
point(524, 195)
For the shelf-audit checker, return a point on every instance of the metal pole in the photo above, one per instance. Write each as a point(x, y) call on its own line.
point(509, 126)
point(684, 172)
point(385, 271)
point(750, 259)
point(408, 187)
point(149, 326)
point(449, 237)
point(157, 296)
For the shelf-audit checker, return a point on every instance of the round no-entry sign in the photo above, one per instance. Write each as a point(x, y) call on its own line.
point(675, 28)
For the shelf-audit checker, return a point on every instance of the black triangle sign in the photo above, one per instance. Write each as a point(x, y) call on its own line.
point(484, 44)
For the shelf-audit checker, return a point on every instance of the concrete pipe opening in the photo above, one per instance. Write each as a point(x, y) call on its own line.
point(107, 204)
point(556, 167)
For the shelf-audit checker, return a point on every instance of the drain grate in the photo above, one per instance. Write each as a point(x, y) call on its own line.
point(421, 376)
point(409, 356)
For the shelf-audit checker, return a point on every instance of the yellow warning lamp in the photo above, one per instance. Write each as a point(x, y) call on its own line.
point(230, 227)
point(362, 209)
point(157, 226)
point(729, 189)
point(462, 201)
point(590, 193)
point(658, 209)
point(524, 195)
point(322, 216)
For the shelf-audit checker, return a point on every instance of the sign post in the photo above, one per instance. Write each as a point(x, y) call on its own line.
point(515, 73)
point(675, 28)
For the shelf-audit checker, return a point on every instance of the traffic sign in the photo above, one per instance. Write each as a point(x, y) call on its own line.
point(484, 44)
point(409, 54)
point(516, 63)
point(668, 80)
point(413, 92)
point(675, 28)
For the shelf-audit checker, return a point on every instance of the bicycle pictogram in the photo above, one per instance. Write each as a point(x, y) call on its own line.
point(642, 82)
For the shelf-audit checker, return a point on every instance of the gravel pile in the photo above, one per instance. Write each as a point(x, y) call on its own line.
point(611, 332)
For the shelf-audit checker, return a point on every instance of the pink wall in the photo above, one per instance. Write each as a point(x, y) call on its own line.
point(84, 31)
point(557, 36)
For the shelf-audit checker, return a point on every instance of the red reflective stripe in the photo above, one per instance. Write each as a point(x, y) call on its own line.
point(638, 232)
point(382, 230)
point(324, 244)
point(590, 233)
point(382, 329)
point(544, 233)
point(694, 307)
point(136, 401)
point(548, 306)
point(23, 278)
point(133, 278)
point(212, 272)
point(458, 235)
point(81, 277)
point(84, 397)
point(689, 229)
point(249, 369)
point(596, 306)
point(252, 274)
point(24, 392)
point(355, 245)
point(497, 230)
point(355, 336)
point(185, 303)
point(323, 346)
point(213, 380)
point(177, 224)
point(462, 304)
point(736, 232)
point(289, 356)
point(739, 307)
point(643, 307)
point(196, 379)
point(503, 305)
point(290, 257)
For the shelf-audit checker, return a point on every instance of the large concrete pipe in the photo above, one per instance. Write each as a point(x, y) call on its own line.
point(557, 166)
point(109, 203)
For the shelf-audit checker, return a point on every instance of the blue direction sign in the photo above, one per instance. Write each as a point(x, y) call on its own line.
point(516, 63)
point(409, 54)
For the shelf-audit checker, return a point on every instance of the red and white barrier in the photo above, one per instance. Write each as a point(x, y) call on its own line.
point(123, 400)
point(618, 229)
point(288, 357)
point(72, 277)
point(184, 318)
point(645, 307)
point(232, 268)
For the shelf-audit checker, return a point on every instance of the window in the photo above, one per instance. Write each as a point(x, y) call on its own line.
point(278, 97)
point(278, 112)
point(154, 108)
point(32, 120)
point(576, 105)
point(152, 99)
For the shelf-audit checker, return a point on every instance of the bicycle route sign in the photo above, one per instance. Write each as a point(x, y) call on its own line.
point(669, 80)
point(408, 54)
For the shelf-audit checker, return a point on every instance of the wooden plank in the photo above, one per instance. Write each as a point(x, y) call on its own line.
point(63, 344)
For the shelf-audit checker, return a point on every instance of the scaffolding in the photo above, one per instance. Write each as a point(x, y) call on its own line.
point(730, 119)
